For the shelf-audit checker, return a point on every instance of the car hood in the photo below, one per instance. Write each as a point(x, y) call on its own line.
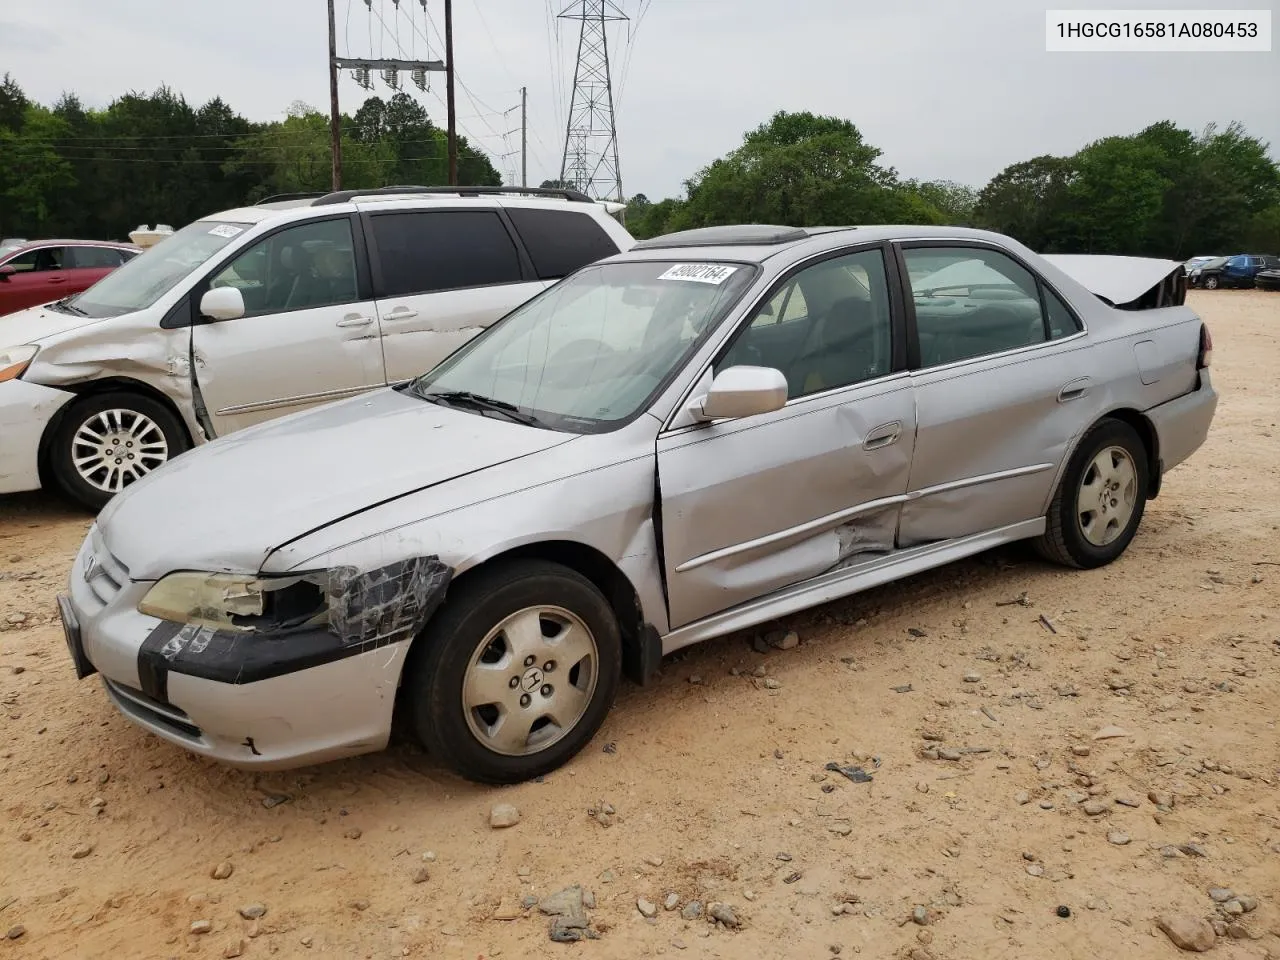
point(37, 323)
point(228, 504)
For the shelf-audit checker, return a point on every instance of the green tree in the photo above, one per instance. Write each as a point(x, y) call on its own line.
point(13, 104)
point(1026, 201)
point(803, 170)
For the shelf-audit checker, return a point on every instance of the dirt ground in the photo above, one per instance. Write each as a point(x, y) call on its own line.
point(108, 836)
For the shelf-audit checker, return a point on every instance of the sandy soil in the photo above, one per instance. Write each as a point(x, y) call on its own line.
point(718, 779)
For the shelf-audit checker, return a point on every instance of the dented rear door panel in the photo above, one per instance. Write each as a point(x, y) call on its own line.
point(750, 506)
point(992, 433)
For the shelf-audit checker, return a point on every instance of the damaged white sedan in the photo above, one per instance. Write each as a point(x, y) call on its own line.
point(712, 430)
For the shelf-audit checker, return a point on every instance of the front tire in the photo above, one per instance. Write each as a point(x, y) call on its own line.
point(515, 674)
point(1210, 283)
point(1100, 501)
point(108, 441)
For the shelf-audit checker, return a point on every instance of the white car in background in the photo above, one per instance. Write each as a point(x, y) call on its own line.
point(252, 313)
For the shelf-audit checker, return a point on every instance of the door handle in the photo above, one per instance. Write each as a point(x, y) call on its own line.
point(883, 435)
point(354, 320)
point(57, 280)
point(1074, 390)
point(402, 313)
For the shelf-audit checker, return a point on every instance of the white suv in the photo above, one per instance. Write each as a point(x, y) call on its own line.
point(254, 313)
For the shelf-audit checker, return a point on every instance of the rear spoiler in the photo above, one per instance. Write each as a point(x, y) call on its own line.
point(1127, 283)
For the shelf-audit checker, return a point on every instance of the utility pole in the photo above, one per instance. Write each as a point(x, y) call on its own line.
point(590, 162)
point(335, 118)
point(524, 136)
point(390, 70)
point(453, 121)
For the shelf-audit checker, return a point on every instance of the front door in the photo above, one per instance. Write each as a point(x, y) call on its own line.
point(441, 277)
point(1002, 374)
point(750, 506)
point(39, 276)
point(309, 334)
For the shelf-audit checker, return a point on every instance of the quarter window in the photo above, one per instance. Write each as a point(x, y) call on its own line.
point(443, 250)
point(828, 326)
point(560, 241)
point(1062, 322)
point(310, 265)
point(973, 302)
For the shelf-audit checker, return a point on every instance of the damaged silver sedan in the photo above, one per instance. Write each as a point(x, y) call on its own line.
point(712, 430)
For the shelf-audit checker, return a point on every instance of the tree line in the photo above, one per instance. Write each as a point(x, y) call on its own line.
point(146, 158)
point(1162, 192)
point(68, 171)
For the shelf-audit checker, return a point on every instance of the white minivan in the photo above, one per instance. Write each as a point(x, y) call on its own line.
point(257, 312)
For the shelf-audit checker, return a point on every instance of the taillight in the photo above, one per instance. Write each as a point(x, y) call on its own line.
point(1206, 348)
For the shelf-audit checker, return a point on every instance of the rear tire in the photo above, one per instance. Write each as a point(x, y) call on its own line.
point(108, 441)
point(1099, 503)
point(516, 672)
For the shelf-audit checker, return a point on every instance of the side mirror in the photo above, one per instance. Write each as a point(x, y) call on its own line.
point(6, 272)
point(222, 303)
point(742, 392)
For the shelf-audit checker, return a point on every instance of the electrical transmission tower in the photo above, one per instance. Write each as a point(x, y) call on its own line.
point(590, 161)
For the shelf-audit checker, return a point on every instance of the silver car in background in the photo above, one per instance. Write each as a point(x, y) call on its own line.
point(694, 437)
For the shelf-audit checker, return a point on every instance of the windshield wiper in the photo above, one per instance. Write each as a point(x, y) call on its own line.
point(465, 398)
point(67, 306)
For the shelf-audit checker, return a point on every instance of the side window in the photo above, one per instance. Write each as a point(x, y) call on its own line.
point(46, 258)
point(972, 302)
point(93, 258)
point(1062, 322)
point(560, 241)
point(23, 262)
point(443, 250)
point(829, 326)
point(310, 265)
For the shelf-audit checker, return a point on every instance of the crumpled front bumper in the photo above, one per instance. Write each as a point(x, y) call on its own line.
point(25, 412)
point(299, 713)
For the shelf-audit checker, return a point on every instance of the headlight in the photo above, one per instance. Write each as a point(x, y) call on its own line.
point(14, 360)
point(238, 603)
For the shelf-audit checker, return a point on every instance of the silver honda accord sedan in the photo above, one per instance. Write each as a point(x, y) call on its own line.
point(712, 430)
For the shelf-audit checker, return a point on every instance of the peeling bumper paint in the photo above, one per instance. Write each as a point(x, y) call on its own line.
point(25, 411)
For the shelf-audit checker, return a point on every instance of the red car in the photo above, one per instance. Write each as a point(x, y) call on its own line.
point(44, 270)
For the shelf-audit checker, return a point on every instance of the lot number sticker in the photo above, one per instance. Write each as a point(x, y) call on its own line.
point(226, 230)
point(714, 273)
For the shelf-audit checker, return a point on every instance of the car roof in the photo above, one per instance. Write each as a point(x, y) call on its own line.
point(756, 243)
point(296, 206)
point(39, 244)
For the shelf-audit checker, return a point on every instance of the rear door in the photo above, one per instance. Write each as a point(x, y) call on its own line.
point(309, 334)
point(86, 265)
point(1001, 374)
point(441, 275)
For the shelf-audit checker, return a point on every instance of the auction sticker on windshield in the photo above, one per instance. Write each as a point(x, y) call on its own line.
point(226, 230)
point(716, 273)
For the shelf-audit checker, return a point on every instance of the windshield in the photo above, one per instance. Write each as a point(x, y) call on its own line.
point(594, 349)
point(154, 272)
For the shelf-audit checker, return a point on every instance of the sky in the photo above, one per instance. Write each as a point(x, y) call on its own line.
point(947, 89)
